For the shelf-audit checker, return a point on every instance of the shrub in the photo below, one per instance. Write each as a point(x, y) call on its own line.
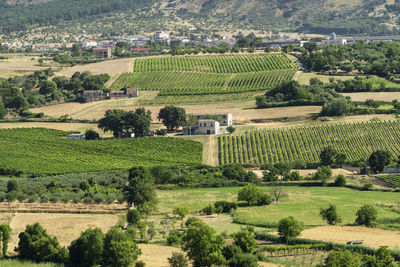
point(340, 180)
point(226, 206)
point(133, 217)
point(366, 215)
point(191, 220)
point(253, 196)
point(245, 240)
point(330, 215)
point(243, 259)
point(174, 238)
point(178, 260)
point(140, 264)
point(209, 210)
point(230, 250)
point(289, 227)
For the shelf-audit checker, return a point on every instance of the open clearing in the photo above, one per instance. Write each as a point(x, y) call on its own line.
point(66, 227)
point(244, 111)
point(341, 234)
point(303, 203)
point(156, 255)
point(112, 67)
point(304, 77)
point(379, 96)
point(18, 64)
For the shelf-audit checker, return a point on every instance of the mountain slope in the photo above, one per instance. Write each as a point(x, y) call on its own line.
point(113, 17)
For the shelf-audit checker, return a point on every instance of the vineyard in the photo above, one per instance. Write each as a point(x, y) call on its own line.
point(357, 140)
point(42, 151)
point(208, 74)
point(391, 179)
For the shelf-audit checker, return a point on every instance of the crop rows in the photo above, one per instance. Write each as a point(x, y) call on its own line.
point(357, 140)
point(189, 83)
point(391, 179)
point(44, 151)
point(216, 64)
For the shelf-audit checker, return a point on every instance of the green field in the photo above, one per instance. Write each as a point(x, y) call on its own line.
point(391, 179)
point(17, 263)
point(357, 140)
point(43, 151)
point(194, 75)
point(303, 203)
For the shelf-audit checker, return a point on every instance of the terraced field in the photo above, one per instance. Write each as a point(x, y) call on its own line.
point(196, 75)
point(357, 140)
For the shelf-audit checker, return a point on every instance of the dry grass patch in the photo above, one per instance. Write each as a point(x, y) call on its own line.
point(304, 77)
point(379, 96)
point(17, 65)
point(341, 234)
point(79, 127)
point(111, 67)
point(156, 255)
point(66, 227)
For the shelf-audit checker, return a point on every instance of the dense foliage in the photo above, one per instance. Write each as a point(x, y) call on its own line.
point(208, 74)
point(356, 140)
point(44, 151)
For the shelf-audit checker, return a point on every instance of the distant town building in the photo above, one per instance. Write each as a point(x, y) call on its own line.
point(89, 43)
point(366, 39)
point(161, 36)
point(76, 136)
point(225, 119)
point(333, 36)
point(106, 43)
point(104, 52)
point(277, 44)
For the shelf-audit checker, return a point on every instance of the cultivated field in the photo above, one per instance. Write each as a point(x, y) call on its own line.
point(19, 64)
point(43, 151)
point(194, 75)
point(357, 140)
point(112, 67)
point(75, 127)
point(242, 111)
point(66, 227)
point(379, 96)
point(372, 237)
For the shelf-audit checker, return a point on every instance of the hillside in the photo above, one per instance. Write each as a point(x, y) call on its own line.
point(66, 20)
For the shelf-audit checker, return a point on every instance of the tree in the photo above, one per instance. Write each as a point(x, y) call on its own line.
point(5, 233)
point(178, 260)
point(133, 217)
point(244, 239)
point(36, 245)
point(278, 193)
point(3, 110)
point(343, 258)
point(13, 185)
point(91, 135)
point(234, 172)
point(340, 180)
point(202, 245)
point(366, 215)
point(337, 107)
point(172, 117)
point(140, 190)
point(123, 123)
point(289, 227)
point(87, 250)
point(323, 174)
point(231, 129)
point(340, 158)
point(328, 155)
point(330, 215)
point(378, 160)
point(119, 250)
point(181, 211)
point(243, 260)
point(253, 196)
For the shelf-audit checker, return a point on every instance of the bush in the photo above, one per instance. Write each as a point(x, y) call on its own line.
point(174, 238)
point(191, 220)
point(226, 206)
point(178, 260)
point(245, 240)
point(340, 180)
point(91, 135)
point(243, 259)
point(323, 174)
point(133, 217)
point(330, 215)
point(254, 196)
point(229, 251)
point(140, 264)
point(289, 227)
point(366, 215)
point(342, 258)
point(209, 210)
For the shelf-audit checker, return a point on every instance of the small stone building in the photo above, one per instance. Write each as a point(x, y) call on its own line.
point(128, 93)
point(94, 95)
point(104, 52)
point(225, 119)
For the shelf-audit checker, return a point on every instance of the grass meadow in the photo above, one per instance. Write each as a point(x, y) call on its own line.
point(303, 203)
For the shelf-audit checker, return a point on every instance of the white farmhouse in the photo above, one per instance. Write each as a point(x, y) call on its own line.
point(89, 43)
point(161, 36)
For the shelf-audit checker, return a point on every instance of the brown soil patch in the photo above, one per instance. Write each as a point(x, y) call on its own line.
point(66, 227)
point(380, 96)
point(156, 255)
point(111, 67)
point(341, 234)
